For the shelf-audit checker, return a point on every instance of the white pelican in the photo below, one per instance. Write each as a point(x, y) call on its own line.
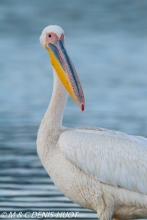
point(99, 169)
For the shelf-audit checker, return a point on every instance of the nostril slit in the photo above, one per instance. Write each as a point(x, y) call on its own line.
point(49, 35)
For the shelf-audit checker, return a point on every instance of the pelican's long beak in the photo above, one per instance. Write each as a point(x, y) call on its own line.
point(66, 71)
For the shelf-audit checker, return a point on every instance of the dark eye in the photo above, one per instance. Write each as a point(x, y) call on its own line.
point(49, 35)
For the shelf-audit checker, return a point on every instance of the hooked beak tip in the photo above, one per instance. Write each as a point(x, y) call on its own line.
point(82, 107)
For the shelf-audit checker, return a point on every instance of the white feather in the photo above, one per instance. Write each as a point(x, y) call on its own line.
point(109, 156)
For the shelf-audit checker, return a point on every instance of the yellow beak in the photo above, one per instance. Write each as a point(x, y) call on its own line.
point(66, 71)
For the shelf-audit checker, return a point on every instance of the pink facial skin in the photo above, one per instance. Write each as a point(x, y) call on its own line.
point(52, 37)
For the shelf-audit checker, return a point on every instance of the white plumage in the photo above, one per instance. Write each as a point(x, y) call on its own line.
point(100, 169)
point(109, 156)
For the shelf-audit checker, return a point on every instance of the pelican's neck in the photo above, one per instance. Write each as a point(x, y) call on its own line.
point(54, 114)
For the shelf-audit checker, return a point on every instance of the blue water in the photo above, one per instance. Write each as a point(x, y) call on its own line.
point(107, 42)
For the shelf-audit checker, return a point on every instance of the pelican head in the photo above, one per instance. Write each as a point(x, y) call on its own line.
point(52, 39)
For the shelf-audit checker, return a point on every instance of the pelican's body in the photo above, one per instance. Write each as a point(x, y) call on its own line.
point(102, 170)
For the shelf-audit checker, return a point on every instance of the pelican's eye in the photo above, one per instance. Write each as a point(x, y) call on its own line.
point(49, 35)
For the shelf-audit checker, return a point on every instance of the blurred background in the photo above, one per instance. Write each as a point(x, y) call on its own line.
point(107, 41)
